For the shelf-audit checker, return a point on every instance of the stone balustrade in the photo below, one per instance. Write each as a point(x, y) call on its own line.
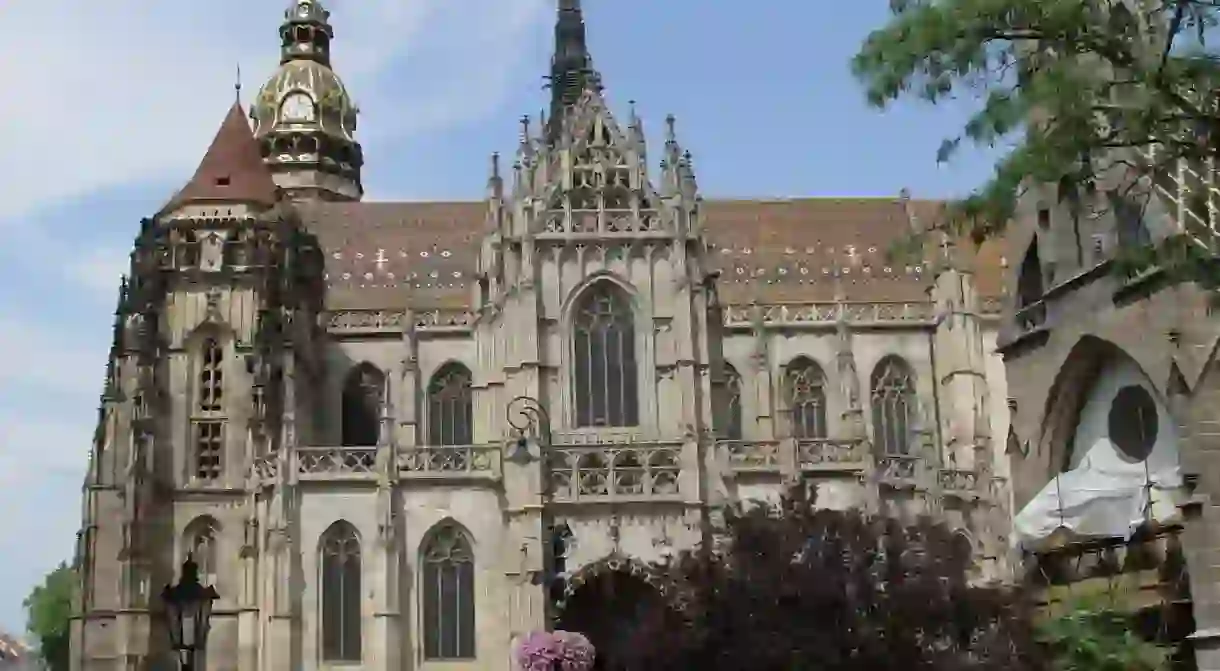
point(449, 461)
point(615, 472)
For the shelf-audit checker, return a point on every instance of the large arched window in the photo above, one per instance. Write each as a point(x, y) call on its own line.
point(448, 594)
point(200, 546)
point(363, 394)
point(805, 386)
point(894, 406)
point(449, 406)
point(732, 390)
point(340, 603)
point(604, 377)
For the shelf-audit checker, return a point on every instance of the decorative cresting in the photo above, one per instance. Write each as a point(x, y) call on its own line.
point(829, 312)
point(616, 562)
point(605, 379)
point(610, 472)
point(360, 322)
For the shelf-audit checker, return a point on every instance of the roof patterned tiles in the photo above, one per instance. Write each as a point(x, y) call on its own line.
point(388, 255)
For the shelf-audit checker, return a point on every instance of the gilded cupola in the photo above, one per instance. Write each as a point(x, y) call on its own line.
point(304, 119)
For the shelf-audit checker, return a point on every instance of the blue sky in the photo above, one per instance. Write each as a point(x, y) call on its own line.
point(107, 108)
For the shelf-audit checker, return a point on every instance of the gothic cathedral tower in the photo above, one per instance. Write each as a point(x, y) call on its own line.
point(212, 359)
point(304, 119)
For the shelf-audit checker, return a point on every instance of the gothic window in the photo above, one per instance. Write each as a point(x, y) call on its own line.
point(1133, 422)
point(201, 548)
point(805, 386)
point(732, 390)
point(894, 407)
point(449, 406)
point(340, 604)
point(604, 378)
point(363, 394)
point(448, 594)
point(1029, 279)
point(208, 425)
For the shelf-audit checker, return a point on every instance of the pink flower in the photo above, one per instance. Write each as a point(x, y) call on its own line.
point(555, 651)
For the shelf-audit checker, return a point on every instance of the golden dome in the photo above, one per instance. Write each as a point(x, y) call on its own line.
point(304, 95)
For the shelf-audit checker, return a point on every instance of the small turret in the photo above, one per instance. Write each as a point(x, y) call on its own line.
point(306, 32)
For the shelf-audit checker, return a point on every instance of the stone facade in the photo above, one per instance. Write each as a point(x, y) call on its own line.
point(382, 428)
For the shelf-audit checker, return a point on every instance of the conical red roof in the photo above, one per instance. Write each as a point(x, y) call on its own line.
point(232, 170)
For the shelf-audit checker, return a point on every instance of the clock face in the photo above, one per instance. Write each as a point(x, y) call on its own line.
point(297, 107)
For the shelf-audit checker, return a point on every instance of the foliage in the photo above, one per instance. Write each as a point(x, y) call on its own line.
point(1094, 637)
point(49, 612)
point(555, 651)
point(1090, 95)
point(799, 588)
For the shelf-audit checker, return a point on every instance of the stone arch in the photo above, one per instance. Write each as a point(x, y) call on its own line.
point(604, 326)
point(363, 395)
point(611, 600)
point(200, 542)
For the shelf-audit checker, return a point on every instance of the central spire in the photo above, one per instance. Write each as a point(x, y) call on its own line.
point(571, 66)
point(306, 32)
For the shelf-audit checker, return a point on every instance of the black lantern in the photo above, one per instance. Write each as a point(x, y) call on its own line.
point(188, 613)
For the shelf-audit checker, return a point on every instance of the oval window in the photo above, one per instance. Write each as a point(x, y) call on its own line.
point(1133, 422)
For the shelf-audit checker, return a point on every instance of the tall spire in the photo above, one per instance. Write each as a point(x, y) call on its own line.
point(571, 65)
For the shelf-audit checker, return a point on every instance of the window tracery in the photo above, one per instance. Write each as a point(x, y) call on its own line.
point(340, 602)
point(448, 594)
point(806, 388)
point(450, 406)
point(605, 376)
point(209, 421)
point(894, 406)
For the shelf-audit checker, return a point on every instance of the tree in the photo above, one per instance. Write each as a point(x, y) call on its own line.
point(797, 588)
point(1093, 96)
point(49, 613)
point(1091, 636)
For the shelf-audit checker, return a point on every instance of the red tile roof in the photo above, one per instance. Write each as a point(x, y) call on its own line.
point(386, 255)
point(232, 170)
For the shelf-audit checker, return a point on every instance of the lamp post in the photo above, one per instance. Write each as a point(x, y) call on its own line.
point(188, 614)
point(528, 417)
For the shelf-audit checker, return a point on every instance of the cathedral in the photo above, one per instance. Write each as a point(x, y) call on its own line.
point(401, 435)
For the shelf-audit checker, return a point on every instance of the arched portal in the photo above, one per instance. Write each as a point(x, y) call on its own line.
point(613, 602)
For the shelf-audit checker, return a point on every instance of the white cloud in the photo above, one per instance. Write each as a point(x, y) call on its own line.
point(102, 94)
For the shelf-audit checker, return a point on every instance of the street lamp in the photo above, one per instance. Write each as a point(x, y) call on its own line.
point(188, 614)
point(527, 416)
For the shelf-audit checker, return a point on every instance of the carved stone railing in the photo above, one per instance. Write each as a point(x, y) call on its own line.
point(753, 455)
point(797, 314)
point(357, 322)
point(266, 468)
point(898, 470)
point(829, 454)
point(957, 481)
point(614, 472)
point(330, 462)
point(449, 461)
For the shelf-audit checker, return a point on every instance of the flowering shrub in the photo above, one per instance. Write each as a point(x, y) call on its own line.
point(555, 651)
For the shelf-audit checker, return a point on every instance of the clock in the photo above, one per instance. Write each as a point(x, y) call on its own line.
point(297, 107)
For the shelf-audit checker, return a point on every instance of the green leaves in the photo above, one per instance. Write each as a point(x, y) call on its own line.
point(49, 615)
point(1075, 87)
point(1093, 637)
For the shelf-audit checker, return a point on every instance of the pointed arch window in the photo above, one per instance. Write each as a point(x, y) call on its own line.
point(450, 406)
point(208, 425)
point(340, 603)
point(894, 406)
point(732, 390)
point(605, 378)
point(363, 395)
point(805, 385)
point(448, 594)
point(1029, 279)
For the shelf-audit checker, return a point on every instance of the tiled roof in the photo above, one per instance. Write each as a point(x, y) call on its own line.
point(384, 255)
point(232, 169)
